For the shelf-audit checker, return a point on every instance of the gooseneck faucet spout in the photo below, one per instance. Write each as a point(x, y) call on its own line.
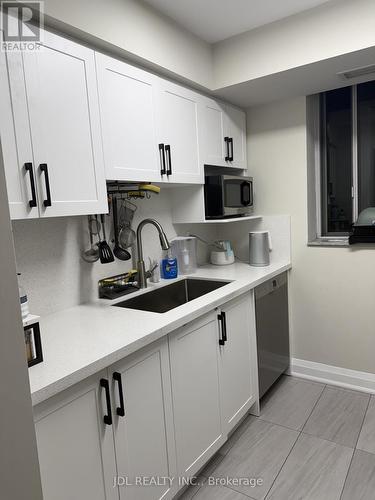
point(164, 243)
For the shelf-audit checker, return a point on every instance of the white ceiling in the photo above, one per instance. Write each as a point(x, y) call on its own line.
point(215, 20)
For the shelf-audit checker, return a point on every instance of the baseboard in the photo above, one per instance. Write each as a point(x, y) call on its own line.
point(333, 375)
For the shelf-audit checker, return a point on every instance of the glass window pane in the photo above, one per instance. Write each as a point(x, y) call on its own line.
point(366, 145)
point(337, 161)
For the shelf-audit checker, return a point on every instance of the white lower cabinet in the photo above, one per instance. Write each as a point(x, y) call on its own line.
point(213, 366)
point(144, 435)
point(81, 439)
point(75, 446)
point(196, 393)
point(237, 357)
point(159, 414)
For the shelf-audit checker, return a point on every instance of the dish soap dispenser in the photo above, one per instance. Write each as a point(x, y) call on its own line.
point(168, 266)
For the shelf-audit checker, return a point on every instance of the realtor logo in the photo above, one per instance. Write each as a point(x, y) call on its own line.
point(21, 25)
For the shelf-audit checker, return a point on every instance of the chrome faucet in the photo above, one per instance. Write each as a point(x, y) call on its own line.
point(142, 274)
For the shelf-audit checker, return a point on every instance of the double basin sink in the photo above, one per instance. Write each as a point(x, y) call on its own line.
point(169, 297)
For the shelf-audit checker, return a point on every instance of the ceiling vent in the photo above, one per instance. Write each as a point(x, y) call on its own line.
point(357, 72)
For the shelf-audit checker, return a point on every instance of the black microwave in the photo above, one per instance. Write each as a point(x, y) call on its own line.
point(228, 196)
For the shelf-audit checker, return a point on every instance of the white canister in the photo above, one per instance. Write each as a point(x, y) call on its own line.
point(260, 246)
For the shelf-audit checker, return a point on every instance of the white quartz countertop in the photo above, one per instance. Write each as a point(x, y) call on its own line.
point(80, 341)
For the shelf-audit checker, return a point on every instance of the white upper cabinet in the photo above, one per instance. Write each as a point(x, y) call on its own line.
point(236, 130)
point(15, 142)
point(178, 116)
point(55, 91)
point(127, 98)
point(213, 133)
point(223, 135)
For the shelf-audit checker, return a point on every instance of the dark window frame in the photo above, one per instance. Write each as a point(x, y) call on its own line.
point(323, 201)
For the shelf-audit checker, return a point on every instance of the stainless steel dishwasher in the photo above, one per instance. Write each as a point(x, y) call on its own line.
point(272, 324)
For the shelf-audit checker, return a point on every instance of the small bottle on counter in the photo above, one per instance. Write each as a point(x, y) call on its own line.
point(169, 268)
point(23, 300)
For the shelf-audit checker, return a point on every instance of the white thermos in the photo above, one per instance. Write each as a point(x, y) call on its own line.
point(260, 246)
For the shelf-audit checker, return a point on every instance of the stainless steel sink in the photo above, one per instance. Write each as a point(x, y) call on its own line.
point(170, 296)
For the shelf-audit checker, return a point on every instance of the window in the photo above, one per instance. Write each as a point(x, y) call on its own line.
point(341, 126)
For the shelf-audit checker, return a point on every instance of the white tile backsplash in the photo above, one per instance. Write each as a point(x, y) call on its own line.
point(277, 225)
point(48, 254)
point(55, 277)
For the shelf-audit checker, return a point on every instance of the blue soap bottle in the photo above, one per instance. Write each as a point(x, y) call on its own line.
point(169, 269)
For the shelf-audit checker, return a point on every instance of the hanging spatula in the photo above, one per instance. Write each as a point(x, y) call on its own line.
point(105, 253)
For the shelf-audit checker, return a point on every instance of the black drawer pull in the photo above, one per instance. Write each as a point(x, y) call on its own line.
point(162, 159)
point(107, 419)
point(29, 168)
point(231, 148)
point(120, 410)
point(225, 334)
point(169, 159)
point(221, 317)
point(44, 168)
point(227, 140)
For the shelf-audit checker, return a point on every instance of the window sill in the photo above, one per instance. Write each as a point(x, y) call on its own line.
point(329, 242)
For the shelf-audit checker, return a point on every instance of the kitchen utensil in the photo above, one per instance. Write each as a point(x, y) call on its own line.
point(126, 237)
point(92, 254)
point(260, 246)
point(154, 271)
point(126, 234)
point(120, 253)
point(223, 255)
point(105, 253)
point(184, 248)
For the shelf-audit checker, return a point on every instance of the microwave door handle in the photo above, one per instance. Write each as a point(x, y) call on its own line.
point(245, 199)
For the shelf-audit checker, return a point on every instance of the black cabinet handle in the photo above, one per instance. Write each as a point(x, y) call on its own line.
point(169, 159)
point(231, 149)
point(105, 385)
point(29, 168)
point(44, 168)
point(225, 334)
point(162, 159)
point(120, 410)
point(227, 140)
point(221, 317)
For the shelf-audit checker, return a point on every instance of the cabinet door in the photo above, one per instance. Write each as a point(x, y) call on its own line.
point(16, 141)
point(236, 126)
point(213, 132)
point(237, 358)
point(75, 447)
point(144, 435)
point(195, 393)
point(179, 111)
point(127, 110)
point(65, 127)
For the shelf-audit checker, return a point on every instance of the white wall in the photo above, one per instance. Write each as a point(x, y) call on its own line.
point(48, 254)
point(330, 30)
point(332, 289)
point(133, 28)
